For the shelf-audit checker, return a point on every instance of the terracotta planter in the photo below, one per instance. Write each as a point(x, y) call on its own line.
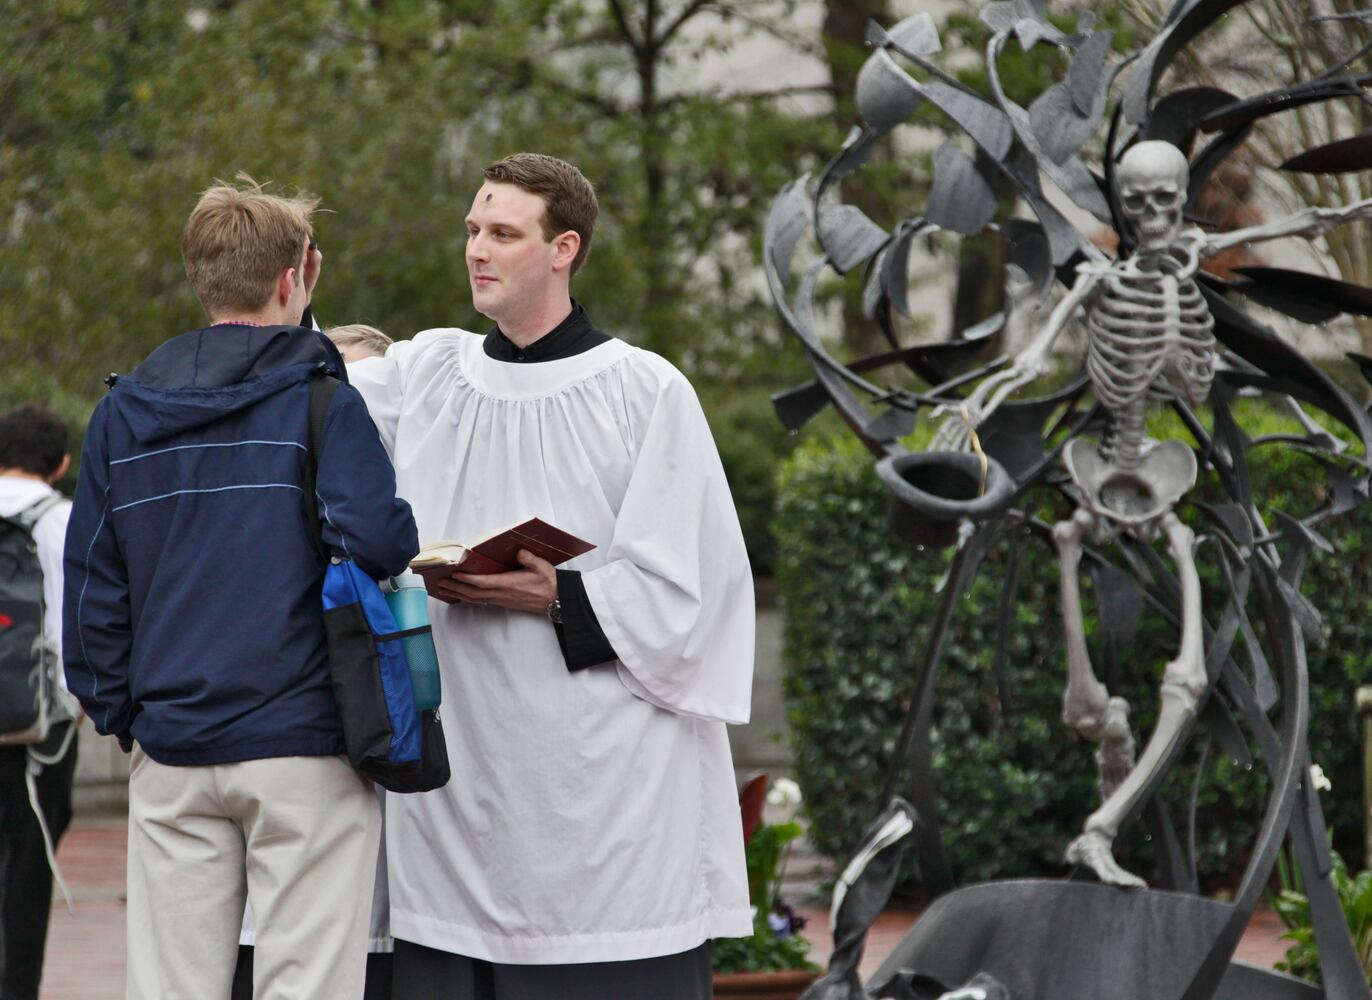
point(785, 985)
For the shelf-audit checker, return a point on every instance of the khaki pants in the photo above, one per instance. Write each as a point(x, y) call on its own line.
point(296, 835)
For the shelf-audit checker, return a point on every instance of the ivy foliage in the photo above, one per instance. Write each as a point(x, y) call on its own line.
point(1014, 784)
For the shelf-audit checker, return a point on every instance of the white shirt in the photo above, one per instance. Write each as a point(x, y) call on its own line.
point(17, 494)
point(592, 815)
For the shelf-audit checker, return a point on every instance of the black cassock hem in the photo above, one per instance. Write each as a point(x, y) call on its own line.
point(430, 974)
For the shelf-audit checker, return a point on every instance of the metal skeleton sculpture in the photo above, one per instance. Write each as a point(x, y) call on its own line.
point(1159, 330)
point(1149, 338)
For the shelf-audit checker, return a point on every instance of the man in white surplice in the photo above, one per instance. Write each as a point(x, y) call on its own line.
point(589, 844)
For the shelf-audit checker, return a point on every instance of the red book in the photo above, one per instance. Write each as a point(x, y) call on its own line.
point(498, 553)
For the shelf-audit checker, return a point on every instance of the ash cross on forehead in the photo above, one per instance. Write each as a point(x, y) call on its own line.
point(488, 196)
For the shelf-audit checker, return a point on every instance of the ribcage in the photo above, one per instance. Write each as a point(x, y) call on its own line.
point(1149, 333)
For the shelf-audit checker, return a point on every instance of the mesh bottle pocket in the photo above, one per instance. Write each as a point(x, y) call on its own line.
point(423, 660)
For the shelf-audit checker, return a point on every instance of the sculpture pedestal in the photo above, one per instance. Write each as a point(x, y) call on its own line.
point(1049, 940)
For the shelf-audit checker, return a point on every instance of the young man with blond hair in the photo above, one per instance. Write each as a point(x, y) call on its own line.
point(354, 341)
point(194, 630)
point(593, 843)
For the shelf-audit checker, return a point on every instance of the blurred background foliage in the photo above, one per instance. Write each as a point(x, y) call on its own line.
point(114, 114)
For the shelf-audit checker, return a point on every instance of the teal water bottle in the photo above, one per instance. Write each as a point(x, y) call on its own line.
point(409, 604)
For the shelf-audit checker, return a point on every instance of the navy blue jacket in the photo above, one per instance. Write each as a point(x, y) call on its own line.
point(193, 620)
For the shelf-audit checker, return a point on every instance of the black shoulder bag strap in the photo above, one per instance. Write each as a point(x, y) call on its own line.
point(322, 389)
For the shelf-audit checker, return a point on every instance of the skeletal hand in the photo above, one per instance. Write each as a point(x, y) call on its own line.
point(1316, 222)
point(960, 421)
point(1355, 212)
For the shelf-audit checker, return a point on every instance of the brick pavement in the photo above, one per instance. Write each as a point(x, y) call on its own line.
point(85, 958)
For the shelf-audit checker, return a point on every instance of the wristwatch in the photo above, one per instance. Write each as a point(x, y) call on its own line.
point(555, 612)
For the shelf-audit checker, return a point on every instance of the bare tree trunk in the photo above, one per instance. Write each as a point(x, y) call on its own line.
point(656, 259)
point(845, 28)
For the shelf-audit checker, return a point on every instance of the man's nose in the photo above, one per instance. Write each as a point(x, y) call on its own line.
point(476, 248)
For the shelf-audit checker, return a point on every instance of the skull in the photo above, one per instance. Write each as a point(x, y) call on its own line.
point(1152, 180)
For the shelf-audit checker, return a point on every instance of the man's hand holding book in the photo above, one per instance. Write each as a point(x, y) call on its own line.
point(513, 569)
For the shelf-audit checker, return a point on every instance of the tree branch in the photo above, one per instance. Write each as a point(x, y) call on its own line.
point(606, 106)
point(689, 11)
point(800, 43)
point(751, 95)
point(592, 39)
point(625, 29)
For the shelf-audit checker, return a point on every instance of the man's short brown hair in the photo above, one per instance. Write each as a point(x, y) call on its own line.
point(568, 199)
point(239, 239)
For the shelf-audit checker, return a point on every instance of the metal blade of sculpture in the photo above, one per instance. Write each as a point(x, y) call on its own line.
point(1159, 331)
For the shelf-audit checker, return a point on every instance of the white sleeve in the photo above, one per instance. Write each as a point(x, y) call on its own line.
point(50, 536)
point(675, 597)
point(382, 386)
point(384, 380)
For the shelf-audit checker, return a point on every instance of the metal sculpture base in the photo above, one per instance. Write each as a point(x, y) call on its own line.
point(1053, 940)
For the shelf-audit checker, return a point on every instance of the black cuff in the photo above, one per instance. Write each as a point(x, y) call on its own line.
point(580, 636)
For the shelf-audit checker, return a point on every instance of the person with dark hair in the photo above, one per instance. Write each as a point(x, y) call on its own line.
point(592, 843)
point(33, 457)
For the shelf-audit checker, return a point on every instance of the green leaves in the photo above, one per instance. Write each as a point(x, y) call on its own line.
point(114, 114)
point(1355, 898)
point(763, 952)
point(763, 856)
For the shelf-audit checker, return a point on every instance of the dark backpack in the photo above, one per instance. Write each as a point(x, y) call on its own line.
point(34, 708)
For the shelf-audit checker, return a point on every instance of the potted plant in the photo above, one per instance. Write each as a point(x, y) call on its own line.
point(1293, 907)
point(771, 964)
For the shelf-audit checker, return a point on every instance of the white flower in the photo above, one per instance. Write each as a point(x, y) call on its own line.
point(197, 19)
point(784, 793)
point(1319, 779)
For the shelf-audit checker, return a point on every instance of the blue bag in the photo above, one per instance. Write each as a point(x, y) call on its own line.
point(371, 677)
point(386, 736)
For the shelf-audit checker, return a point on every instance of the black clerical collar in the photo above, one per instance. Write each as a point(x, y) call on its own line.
point(573, 335)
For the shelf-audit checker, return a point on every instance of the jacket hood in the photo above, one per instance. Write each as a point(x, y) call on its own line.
point(202, 376)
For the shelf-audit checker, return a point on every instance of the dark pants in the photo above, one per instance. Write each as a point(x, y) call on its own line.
point(26, 885)
point(429, 974)
point(378, 976)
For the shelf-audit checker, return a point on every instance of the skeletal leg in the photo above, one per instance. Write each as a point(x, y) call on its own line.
point(1086, 704)
point(1183, 683)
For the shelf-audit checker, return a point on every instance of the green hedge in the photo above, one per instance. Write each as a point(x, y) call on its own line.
point(1014, 783)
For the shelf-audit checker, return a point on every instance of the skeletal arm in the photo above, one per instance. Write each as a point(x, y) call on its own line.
point(1308, 223)
point(1031, 363)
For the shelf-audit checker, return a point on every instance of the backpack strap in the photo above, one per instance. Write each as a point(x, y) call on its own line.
point(322, 389)
point(33, 513)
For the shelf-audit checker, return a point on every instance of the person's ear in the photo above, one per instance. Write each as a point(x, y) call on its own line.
point(285, 285)
point(565, 248)
point(61, 470)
